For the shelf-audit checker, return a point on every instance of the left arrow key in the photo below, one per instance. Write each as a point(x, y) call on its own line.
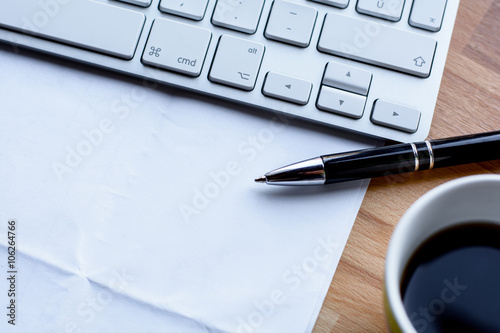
point(287, 88)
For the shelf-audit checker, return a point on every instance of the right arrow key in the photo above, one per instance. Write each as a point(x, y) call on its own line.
point(400, 117)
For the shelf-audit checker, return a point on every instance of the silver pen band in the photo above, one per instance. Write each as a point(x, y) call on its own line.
point(415, 153)
point(431, 154)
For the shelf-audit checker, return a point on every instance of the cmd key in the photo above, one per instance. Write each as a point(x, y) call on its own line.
point(87, 24)
point(177, 46)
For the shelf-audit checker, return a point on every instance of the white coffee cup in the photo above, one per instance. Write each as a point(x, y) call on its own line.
point(464, 200)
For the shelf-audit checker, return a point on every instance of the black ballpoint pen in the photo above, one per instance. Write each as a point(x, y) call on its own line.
point(388, 160)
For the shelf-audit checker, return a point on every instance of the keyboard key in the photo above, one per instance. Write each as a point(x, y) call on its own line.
point(395, 116)
point(310, 46)
point(341, 102)
point(427, 14)
point(241, 15)
point(141, 3)
point(379, 45)
point(85, 24)
point(334, 3)
point(348, 78)
point(237, 62)
point(177, 46)
point(387, 9)
point(287, 88)
point(291, 23)
point(193, 9)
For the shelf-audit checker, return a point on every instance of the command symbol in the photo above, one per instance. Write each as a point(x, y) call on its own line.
point(155, 51)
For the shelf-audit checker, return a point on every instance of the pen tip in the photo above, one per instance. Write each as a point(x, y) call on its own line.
point(261, 179)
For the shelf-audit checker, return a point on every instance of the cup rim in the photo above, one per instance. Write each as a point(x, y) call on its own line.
point(393, 260)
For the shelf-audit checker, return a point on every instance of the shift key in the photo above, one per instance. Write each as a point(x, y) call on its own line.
point(377, 44)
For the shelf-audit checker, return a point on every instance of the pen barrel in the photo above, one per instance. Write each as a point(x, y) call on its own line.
point(409, 157)
point(466, 149)
point(369, 163)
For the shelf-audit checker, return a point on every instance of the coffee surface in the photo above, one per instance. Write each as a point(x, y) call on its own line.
point(452, 282)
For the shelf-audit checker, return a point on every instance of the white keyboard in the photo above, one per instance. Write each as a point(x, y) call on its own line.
point(369, 66)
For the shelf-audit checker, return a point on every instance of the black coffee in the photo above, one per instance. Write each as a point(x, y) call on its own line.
point(452, 282)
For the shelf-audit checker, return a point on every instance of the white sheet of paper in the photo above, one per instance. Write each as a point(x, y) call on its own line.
point(136, 210)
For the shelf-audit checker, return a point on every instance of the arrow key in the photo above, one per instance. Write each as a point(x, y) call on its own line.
point(287, 88)
point(349, 78)
point(400, 117)
point(341, 102)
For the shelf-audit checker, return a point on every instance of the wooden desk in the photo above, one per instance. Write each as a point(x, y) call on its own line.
point(469, 102)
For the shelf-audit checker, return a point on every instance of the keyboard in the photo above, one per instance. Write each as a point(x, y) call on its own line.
point(369, 66)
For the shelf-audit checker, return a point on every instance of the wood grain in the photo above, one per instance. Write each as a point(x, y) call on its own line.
point(469, 102)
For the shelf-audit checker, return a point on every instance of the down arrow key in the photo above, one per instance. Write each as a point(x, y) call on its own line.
point(341, 102)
